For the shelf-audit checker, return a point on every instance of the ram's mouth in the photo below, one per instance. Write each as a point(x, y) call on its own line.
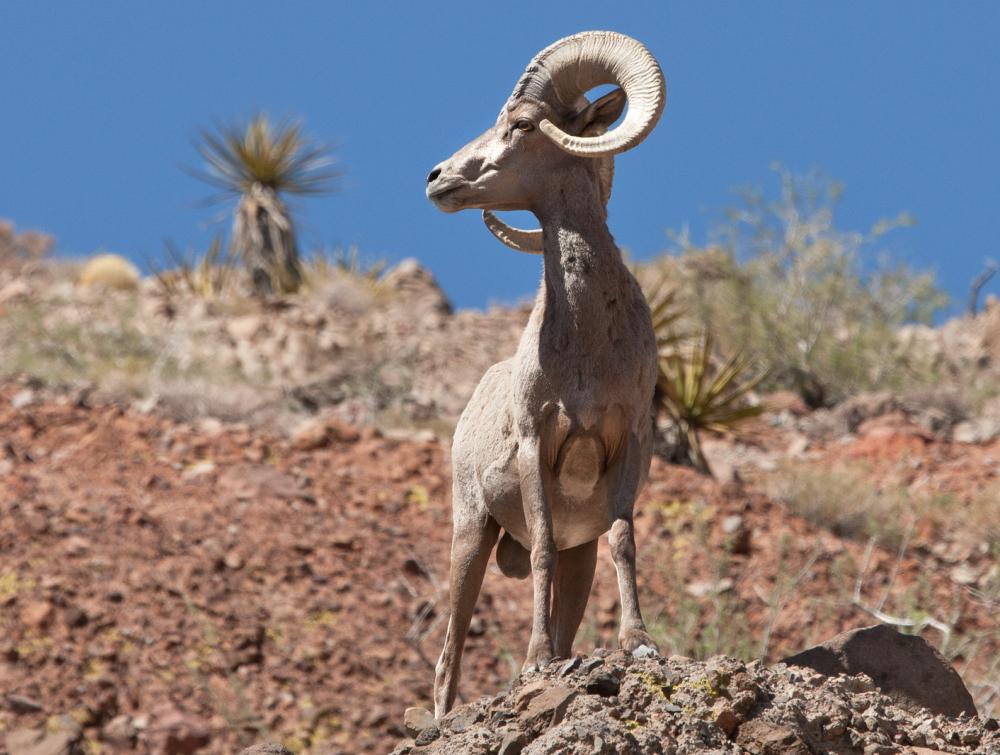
point(444, 197)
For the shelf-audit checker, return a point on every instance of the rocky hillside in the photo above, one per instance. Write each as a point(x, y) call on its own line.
point(225, 521)
point(177, 587)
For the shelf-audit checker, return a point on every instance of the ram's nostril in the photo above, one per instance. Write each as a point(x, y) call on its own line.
point(433, 174)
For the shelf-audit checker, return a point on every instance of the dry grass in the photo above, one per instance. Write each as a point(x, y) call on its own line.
point(848, 500)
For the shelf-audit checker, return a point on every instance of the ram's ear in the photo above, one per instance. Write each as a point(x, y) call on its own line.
point(597, 117)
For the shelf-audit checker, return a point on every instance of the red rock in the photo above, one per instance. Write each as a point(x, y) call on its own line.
point(37, 614)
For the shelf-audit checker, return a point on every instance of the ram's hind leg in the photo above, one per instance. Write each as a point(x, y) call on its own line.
point(471, 545)
point(574, 578)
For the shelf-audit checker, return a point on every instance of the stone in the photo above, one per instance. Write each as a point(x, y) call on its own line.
point(644, 651)
point(461, 718)
point(570, 666)
point(603, 683)
point(415, 720)
point(549, 707)
point(512, 744)
point(175, 732)
point(37, 614)
point(22, 399)
point(310, 434)
point(904, 667)
point(769, 738)
point(119, 732)
point(20, 705)
point(979, 430)
point(427, 736)
point(726, 718)
point(737, 534)
point(60, 736)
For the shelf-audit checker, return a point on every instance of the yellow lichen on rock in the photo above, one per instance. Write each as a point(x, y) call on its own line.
point(110, 271)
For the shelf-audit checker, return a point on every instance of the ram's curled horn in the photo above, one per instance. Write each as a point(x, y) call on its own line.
point(516, 238)
point(576, 64)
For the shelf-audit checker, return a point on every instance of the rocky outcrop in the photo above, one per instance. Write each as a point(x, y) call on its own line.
point(614, 703)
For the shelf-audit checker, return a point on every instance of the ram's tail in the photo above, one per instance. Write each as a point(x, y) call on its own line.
point(513, 558)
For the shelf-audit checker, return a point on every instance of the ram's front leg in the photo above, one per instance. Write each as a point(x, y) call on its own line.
point(624, 489)
point(543, 551)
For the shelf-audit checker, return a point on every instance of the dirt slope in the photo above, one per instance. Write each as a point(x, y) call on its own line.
point(172, 586)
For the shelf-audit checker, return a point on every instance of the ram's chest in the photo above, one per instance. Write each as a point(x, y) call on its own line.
point(577, 447)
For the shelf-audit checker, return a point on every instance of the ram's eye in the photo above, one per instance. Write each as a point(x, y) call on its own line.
point(524, 125)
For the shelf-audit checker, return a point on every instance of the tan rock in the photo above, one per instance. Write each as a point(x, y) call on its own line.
point(37, 614)
point(415, 720)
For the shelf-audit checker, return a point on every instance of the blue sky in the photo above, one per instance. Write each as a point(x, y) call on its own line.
point(899, 100)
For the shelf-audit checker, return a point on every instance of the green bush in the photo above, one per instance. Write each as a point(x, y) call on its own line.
point(817, 306)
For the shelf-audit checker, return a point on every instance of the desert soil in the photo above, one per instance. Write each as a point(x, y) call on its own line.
point(171, 586)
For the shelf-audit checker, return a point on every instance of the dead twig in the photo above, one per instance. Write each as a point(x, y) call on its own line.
point(916, 625)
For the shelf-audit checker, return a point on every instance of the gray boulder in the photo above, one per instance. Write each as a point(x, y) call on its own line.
point(904, 667)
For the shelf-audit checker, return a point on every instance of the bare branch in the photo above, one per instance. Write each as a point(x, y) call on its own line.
point(977, 285)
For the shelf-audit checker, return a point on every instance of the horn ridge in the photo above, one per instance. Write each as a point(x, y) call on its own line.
point(517, 239)
point(570, 67)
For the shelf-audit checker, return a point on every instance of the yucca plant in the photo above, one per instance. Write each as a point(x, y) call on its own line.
point(259, 162)
point(666, 312)
point(697, 396)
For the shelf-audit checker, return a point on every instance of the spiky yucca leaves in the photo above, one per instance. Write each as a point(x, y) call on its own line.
point(666, 312)
point(206, 276)
point(699, 396)
point(258, 162)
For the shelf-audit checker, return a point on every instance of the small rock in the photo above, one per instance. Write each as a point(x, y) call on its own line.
point(550, 706)
point(644, 651)
point(22, 399)
point(590, 664)
point(175, 732)
point(415, 720)
point(603, 683)
point(570, 666)
point(198, 469)
point(512, 744)
point(427, 736)
point(75, 617)
point(119, 731)
point(310, 434)
point(462, 718)
point(37, 614)
point(19, 704)
point(60, 736)
point(725, 718)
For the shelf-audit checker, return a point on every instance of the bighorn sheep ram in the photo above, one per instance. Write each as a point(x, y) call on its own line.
point(555, 443)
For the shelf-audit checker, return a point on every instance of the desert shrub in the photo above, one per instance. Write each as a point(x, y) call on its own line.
point(841, 499)
point(851, 501)
point(17, 249)
point(820, 307)
point(322, 267)
point(110, 271)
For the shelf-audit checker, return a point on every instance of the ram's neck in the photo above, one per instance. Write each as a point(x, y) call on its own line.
point(584, 272)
